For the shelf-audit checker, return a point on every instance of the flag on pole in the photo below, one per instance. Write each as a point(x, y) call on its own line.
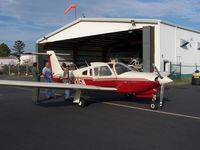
point(69, 8)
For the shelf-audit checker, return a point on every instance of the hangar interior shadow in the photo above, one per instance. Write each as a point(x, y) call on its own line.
point(122, 45)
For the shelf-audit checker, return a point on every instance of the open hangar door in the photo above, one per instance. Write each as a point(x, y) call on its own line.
point(124, 46)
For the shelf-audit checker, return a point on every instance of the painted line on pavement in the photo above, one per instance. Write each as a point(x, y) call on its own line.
point(154, 111)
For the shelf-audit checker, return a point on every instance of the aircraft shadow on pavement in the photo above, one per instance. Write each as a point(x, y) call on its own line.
point(96, 97)
point(99, 97)
point(54, 102)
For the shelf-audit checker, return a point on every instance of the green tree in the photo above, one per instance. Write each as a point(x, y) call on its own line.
point(18, 49)
point(4, 50)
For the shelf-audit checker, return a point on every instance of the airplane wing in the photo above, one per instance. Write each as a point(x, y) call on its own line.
point(54, 85)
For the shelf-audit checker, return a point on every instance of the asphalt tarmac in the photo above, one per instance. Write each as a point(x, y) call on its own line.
point(114, 124)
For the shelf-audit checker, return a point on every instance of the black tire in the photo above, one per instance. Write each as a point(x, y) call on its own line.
point(195, 81)
point(128, 96)
point(82, 103)
point(153, 106)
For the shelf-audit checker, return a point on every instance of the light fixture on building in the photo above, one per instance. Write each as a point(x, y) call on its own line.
point(133, 23)
point(132, 26)
point(130, 31)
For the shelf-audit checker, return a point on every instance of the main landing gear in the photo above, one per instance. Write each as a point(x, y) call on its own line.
point(82, 102)
point(77, 99)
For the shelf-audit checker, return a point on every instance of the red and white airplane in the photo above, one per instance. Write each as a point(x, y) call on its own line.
point(113, 76)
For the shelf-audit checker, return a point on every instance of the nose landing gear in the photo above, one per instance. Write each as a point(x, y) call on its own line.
point(153, 105)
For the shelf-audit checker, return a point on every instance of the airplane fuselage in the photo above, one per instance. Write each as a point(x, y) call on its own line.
point(140, 87)
point(140, 84)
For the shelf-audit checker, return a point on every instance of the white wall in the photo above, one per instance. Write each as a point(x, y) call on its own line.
point(8, 61)
point(189, 54)
point(167, 44)
point(170, 49)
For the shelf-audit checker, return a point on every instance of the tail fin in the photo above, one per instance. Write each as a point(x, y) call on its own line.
point(55, 66)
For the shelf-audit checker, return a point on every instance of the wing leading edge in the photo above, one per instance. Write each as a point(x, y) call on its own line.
point(54, 85)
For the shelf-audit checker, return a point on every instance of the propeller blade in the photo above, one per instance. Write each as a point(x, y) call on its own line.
point(169, 75)
point(160, 76)
point(162, 88)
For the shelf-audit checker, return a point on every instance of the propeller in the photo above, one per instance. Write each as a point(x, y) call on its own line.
point(169, 75)
point(159, 75)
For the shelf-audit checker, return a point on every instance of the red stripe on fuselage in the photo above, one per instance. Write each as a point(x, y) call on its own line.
point(123, 85)
point(56, 79)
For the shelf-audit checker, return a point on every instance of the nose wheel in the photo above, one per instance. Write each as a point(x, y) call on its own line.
point(153, 105)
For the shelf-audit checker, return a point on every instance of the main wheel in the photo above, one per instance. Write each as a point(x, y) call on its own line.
point(128, 96)
point(153, 106)
point(82, 103)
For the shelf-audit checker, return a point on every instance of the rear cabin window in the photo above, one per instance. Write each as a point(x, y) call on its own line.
point(84, 72)
point(105, 71)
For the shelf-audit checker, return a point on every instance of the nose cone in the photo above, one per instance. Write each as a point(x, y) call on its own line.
point(165, 80)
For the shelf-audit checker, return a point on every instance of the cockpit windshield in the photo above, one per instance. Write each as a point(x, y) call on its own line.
point(121, 68)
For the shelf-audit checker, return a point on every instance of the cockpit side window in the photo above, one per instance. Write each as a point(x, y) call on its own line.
point(105, 71)
point(121, 68)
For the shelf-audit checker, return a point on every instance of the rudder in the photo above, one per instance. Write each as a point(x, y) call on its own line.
point(55, 65)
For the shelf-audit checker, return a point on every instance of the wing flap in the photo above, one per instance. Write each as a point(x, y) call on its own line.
point(53, 85)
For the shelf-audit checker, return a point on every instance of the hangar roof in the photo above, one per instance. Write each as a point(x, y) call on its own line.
point(85, 27)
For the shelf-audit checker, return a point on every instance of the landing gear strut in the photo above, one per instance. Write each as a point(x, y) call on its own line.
point(82, 103)
point(77, 99)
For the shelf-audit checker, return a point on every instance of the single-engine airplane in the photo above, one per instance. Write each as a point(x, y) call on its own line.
point(112, 76)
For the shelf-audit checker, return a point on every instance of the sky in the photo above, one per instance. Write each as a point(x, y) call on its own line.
point(29, 20)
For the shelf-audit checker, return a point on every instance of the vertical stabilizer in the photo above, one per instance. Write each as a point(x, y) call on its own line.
point(55, 65)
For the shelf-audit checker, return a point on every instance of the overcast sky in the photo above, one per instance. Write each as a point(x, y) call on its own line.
point(29, 20)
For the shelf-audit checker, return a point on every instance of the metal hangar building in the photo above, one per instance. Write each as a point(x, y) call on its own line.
point(151, 41)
